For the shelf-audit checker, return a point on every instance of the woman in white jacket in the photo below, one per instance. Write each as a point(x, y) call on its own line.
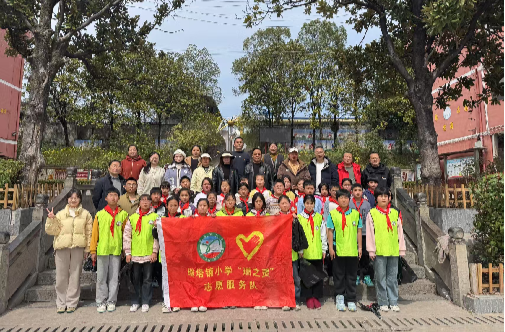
point(151, 176)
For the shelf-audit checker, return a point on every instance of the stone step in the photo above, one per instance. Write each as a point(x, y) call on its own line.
point(47, 293)
point(421, 289)
point(419, 271)
point(51, 265)
point(48, 277)
point(411, 258)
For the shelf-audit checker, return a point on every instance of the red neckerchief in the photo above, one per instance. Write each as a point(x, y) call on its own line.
point(323, 199)
point(358, 207)
point(285, 191)
point(339, 209)
point(228, 212)
point(371, 191)
point(164, 198)
point(390, 227)
point(184, 207)
point(113, 214)
point(245, 203)
point(261, 191)
point(213, 210)
point(222, 195)
point(138, 228)
point(331, 199)
point(172, 216)
point(157, 206)
point(258, 213)
point(273, 195)
point(311, 220)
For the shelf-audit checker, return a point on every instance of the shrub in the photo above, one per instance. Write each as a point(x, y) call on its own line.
point(10, 171)
point(488, 233)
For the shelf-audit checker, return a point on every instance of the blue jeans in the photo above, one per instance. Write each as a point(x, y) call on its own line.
point(296, 266)
point(386, 283)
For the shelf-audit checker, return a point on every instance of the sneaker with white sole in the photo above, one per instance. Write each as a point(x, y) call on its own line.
point(134, 307)
point(145, 307)
point(111, 306)
point(395, 308)
point(384, 308)
point(101, 307)
point(202, 309)
point(257, 307)
point(194, 309)
point(340, 303)
point(164, 308)
point(351, 306)
point(286, 308)
point(175, 309)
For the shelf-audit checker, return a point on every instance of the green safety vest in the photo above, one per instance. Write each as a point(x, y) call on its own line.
point(386, 242)
point(108, 245)
point(346, 241)
point(294, 255)
point(142, 244)
point(238, 213)
point(315, 249)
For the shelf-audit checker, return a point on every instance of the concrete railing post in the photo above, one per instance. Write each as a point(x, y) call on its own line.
point(4, 270)
point(40, 214)
point(422, 212)
point(458, 256)
point(71, 179)
point(95, 175)
point(397, 183)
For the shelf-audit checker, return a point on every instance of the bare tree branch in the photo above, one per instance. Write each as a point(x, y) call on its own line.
point(463, 43)
point(61, 13)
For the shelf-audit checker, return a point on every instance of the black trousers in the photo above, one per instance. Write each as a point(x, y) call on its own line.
point(316, 290)
point(344, 276)
point(142, 282)
point(365, 268)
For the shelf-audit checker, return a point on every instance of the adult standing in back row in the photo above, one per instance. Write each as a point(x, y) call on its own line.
point(349, 170)
point(322, 170)
point(257, 167)
point(241, 157)
point(294, 169)
point(273, 159)
point(132, 164)
point(378, 170)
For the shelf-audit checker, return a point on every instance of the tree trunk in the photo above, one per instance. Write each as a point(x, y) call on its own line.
point(292, 125)
point(64, 124)
point(422, 100)
point(320, 127)
point(159, 130)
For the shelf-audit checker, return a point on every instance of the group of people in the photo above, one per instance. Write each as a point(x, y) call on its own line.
point(345, 213)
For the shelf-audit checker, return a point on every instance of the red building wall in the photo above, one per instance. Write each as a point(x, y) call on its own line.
point(11, 82)
point(460, 130)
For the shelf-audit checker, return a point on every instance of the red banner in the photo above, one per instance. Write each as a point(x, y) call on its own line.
point(228, 261)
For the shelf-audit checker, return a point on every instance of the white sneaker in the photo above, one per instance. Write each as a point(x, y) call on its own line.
point(101, 307)
point(264, 308)
point(395, 308)
point(134, 307)
point(164, 308)
point(175, 309)
point(111, 306)
point(286, 308)
point(145, 307)
point(384, 308)
point(194, 309)
point(202, 309)
point(257, 307)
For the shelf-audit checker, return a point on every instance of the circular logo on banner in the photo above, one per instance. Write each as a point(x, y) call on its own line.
point(210, 247)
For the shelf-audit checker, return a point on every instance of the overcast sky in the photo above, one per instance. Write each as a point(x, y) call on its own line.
point(213, 24)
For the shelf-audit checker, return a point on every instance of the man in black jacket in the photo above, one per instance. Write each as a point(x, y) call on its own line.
point(322, 170)
point(255, 167)
point(273, 159)
point(378, 170)
point(113, 179)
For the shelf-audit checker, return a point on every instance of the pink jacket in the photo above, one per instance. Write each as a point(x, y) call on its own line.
point(370, 235)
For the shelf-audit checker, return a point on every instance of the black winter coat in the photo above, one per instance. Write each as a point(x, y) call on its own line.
point(274, 166)
point(381, 173)
point(299, 240)
point(329, 174)
point(218, 176)
point(264, 169)
point(100, 191)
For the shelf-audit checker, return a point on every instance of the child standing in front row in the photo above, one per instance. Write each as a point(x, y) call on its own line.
point(106, 247)
point(344, 232)
point(365, 272)
point(385, 242)
point(315, 232)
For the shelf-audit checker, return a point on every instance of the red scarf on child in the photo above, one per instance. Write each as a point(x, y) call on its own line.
point(172, 216)
point(331, 199)
point(358, 207)
point(184, 207)
point(311, 220)
point(245, 203)
point(261, 191)
point(213, 210)
point(138, 228)
point(222, 195)
point(339, 209)
point(228, 212)
point(113, 214)
point(258, 213)
point(390, 226)
point(157, 206)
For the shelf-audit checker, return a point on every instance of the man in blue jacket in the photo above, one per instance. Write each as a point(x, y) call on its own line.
point(322, 170)
point(113, 179)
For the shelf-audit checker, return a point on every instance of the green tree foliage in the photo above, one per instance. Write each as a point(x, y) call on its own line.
point(488, 234)
point(425, 40)
point(47, 32)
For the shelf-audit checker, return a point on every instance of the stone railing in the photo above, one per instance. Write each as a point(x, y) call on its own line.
point(451, 271)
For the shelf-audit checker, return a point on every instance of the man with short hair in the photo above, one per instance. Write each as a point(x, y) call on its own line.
point(322, 170)
point(294, 169)
point(132, 164)
point(257, 167)
point(111, 180)
point(273, 158)
point(378, 170)
point(130, 200)
point(347, 169)
point(241, 157)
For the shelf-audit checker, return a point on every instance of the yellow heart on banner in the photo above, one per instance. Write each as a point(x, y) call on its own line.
point(241, 239)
